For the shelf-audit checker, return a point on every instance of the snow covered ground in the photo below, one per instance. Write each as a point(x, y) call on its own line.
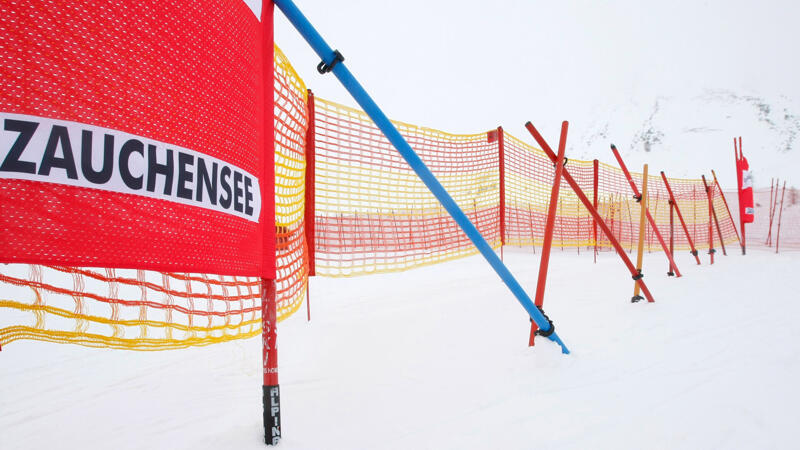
point(437, 358)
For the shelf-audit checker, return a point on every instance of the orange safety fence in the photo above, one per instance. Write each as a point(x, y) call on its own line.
point(372, 215)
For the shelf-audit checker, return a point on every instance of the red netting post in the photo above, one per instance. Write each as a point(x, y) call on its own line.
point(674, 203)
point(710, 190)
point(599, 220)
point(671, 232)
point(774, 207)
point(771, 183)
point(727, 208)
point(596, 170)
point(780, 214)
point(647, 212)
point(548, 230)
point(502, 169)
point(310, 204)
point(271, 394)
point(711, 250)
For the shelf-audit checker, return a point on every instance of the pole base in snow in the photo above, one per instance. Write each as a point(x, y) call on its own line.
point(636, 298)
point(272, 414)
point(670, 274)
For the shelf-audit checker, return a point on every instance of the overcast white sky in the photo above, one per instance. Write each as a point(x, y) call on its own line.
point(469, 66)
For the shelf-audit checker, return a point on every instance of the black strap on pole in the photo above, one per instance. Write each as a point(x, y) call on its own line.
point(324, 67)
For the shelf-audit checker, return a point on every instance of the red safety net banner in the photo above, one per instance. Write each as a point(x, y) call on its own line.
point(133, 136)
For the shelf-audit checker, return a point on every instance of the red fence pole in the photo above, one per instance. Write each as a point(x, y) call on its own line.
point(780, 214)
point(772, 214)
point(727, 208)
point(310, 205)
point(711, 250)
point(548, 230)
point(680, 217)
point(671, 232)
point(596, 167)
point(771, 183)
point(599, 220)
point(710, 190)
point(647, 212)
point(271, 389)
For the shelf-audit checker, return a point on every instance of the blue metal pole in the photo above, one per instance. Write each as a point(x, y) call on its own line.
point(355, 89)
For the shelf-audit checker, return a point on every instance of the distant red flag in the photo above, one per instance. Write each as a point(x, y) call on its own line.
point(745, 190)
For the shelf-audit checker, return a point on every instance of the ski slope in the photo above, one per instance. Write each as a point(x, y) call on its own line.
point(437, 358)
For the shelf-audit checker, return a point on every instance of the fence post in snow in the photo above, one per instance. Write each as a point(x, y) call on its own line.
point(310, 212)
point(548, 232)
point(780, 214)
point(647, 213)
point(674, 203)
point(599, 220)
point(642, 231)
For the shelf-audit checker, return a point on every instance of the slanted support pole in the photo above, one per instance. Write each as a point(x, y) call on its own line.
point(780, 215)
point(680, 217)
point(711, 250)
point(710, 191)
point(647, 213)
point(548, 229)
point(599, 220)
point(333, 61)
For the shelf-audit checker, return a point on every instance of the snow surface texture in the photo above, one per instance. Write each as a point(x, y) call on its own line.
point(436, 358)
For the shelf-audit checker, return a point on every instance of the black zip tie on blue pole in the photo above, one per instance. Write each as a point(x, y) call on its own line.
point(324, 67)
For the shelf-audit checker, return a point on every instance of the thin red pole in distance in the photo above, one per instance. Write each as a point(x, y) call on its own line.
point(771, 183)
point(772, 214)
point(727, 208)
point(548, 228)
point(680, 217)
point(647, 212)
point(596, 167)
point(502, 169)
point(310, 205)
point(671, 233)
point(599, 220)
point(780, 214)
point(711, 250)
point(710, 190)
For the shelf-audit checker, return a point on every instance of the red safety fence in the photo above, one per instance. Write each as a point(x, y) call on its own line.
point(371, 214)
point(758, 232)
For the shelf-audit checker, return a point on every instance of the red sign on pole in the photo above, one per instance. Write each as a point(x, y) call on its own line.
point(132, 135)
